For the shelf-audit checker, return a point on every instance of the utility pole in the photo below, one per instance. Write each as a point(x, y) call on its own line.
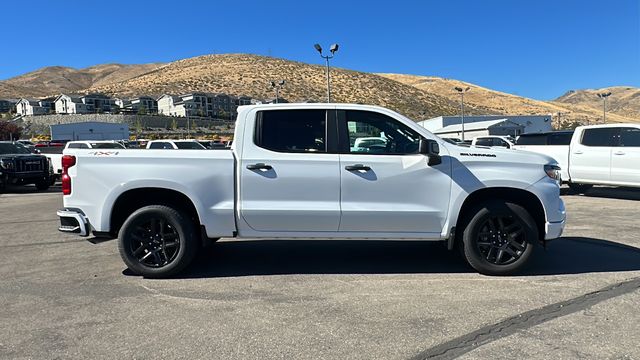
point(333, 50)
point(604, 97)
point(462, 91)
point(186, 113)
point(277, 86)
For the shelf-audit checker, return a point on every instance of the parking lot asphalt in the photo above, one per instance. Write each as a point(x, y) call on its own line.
point(64, 297)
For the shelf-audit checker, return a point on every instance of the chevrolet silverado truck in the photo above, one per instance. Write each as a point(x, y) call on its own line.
point(293, 172)
point(607, 154)
point(18, 166)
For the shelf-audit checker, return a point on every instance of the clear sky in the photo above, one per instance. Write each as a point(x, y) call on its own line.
point(534, 48)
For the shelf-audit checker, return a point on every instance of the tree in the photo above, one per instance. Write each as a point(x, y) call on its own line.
point(9, 131)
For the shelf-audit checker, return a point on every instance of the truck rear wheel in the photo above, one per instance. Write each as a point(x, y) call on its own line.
point(157, 241)
point(498, 238)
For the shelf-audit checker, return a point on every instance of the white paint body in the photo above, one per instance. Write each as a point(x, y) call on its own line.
point(311, 195)
point(597, 165)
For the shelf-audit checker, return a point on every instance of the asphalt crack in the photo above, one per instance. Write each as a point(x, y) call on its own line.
point(466, 343)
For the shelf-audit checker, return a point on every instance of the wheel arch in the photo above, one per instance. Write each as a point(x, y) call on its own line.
point(524, 198)
point(133, 199)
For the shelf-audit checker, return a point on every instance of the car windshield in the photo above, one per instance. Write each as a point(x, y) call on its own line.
point(9, 148)
point(189, 145)
point(106, 146)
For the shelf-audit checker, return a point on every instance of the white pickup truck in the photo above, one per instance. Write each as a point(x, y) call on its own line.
point(591, 155)
point(292, 173)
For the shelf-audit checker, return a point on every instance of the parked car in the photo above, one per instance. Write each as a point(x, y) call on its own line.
point(18, 166)
point(493, 141)
point(175, 144)
point(591, 155)
point(28, 144)
point(291, 173)
point(97, 144)
point(214, 144)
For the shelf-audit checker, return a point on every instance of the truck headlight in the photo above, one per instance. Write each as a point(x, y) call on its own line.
point(6, 164)
point(553, 171)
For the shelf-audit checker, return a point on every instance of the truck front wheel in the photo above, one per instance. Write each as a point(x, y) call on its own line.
point(498, 238)
point(157, 241)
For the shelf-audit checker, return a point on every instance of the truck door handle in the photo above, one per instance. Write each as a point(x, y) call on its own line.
point(259, 166)
point(357, 167)
point(578, 152)
point(618, 153)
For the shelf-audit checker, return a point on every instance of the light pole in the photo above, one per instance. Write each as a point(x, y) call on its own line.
point(333, 50)
point(277, 86)
point(186, 113)
point(604, 97)
point(462, 91)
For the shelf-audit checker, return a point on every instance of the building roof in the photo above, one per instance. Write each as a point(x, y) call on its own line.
point(478, 125)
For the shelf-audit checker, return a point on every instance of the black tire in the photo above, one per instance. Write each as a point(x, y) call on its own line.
point(157, 241)
point(579, 188)
point(43, 185)
point(499, 238)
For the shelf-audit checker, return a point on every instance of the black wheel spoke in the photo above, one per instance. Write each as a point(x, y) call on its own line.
point(139, 251)
point(500, 240)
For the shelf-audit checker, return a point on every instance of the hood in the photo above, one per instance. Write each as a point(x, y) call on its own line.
point(473, 153)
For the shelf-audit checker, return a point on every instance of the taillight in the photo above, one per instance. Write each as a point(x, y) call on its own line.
point(67, 162)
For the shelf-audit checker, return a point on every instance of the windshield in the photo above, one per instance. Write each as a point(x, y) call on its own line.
point(189, 145)
point(9, 148)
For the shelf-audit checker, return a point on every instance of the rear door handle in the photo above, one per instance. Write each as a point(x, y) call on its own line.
point(357, 167)
point(578, 152)
point(259, 166)
point(619, 153)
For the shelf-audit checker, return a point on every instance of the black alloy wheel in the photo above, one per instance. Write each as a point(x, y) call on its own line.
point(158, 241)
point(501, 240)
point(155, 243)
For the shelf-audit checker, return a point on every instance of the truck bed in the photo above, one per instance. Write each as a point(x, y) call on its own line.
point(205, 176)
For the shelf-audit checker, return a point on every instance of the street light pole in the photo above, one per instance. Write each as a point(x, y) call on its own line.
point(333, 50)
point(604, 97)
point(277, 86)
point(186, 113)
point(462, 91)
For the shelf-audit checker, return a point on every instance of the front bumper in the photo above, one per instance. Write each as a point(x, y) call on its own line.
point(554, 230)
point(74, 222)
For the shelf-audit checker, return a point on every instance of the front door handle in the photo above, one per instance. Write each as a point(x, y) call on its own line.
point(618, 153)
point(357, 167)
point(578, 152)
point(259, 166)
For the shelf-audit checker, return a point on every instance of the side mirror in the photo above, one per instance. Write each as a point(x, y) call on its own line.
point(431, 149)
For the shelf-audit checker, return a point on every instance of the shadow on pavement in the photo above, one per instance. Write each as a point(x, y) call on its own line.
point(570, 255)
point(623, 193)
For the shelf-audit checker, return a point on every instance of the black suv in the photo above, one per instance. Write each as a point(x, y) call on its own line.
point(18, 166)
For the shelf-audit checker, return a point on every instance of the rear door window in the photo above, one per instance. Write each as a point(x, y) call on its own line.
point(485, 142)
point(599, 137)
point(294, 131)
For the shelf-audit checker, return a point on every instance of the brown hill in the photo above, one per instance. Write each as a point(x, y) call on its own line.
point(624, 100)
point(241, 74)
point(490, 101)
point(54, 80)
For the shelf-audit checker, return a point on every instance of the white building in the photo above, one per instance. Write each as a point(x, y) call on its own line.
point(65, 104)
point(168, 105)
point(30, 107)
point(531, 123)
point(90, 130)
point(480, 128)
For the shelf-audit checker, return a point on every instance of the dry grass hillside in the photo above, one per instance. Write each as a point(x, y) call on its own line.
point(489, 101)
point(624, 100)
point(54, 80)
point(241, 74)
